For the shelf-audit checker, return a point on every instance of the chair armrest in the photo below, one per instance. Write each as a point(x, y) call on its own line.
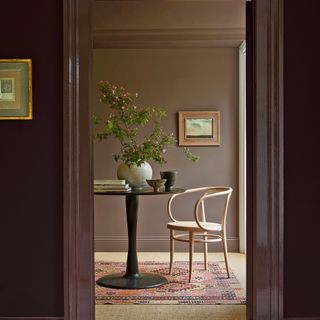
point(213, 192)
point(181, 194)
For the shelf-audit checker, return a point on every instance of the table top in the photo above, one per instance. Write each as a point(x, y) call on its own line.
point(144, 192)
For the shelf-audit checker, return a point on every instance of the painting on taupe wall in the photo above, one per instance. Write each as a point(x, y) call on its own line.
point(199, 128)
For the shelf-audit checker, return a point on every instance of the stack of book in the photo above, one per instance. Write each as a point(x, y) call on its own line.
point(110, 185)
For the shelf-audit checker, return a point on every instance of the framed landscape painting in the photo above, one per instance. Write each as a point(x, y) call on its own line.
point(15, 89)
point(199, 128)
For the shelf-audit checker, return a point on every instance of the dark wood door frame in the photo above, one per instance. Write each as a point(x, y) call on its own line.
point(265, 163)
point(78, 192)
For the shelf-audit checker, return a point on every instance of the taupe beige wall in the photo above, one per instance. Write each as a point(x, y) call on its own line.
point(180, 55)
point(176, 79)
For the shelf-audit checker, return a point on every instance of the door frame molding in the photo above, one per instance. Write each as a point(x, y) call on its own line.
point(264, 158)
point(77, 160)
point(265, 169)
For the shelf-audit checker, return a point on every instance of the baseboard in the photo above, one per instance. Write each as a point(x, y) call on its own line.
point(155, 244)
point(31, 318)
point(301, 318)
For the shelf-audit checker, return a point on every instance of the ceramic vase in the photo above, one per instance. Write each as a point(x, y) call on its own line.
point(135, 175)
point(171, 178)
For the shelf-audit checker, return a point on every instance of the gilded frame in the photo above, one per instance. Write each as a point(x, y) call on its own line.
point(15, 89)
point(199, 128)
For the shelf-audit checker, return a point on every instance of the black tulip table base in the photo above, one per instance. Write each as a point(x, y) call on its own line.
point(138, 281)
point(132, 278)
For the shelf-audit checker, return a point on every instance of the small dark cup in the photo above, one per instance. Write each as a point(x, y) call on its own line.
point(171, 178)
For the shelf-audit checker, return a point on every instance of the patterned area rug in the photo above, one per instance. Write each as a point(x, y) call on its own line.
point(207, 287)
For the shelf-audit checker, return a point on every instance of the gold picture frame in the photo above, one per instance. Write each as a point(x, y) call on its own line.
point(199, 128)
point(15, 89)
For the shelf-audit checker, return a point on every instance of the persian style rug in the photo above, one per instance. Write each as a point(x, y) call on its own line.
point(207, 287)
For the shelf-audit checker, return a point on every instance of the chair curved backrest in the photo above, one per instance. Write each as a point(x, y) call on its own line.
point(212, 192)
point(208, 192)
point(181, 194)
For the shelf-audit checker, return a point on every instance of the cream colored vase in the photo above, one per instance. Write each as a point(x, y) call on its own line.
point(134, 175)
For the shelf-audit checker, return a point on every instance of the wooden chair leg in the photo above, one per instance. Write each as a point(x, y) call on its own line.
point(191, 248)
point(171, 250)
point(225, 251)
point(205, 252)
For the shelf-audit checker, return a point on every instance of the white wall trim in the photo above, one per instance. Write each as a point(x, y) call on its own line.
point(242, 148)
point(168, 38)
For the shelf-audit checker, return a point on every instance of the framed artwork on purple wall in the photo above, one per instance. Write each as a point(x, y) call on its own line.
point(199, 128)
point(15, 89)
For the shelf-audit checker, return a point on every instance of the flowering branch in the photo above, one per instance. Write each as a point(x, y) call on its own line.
point(124, 123)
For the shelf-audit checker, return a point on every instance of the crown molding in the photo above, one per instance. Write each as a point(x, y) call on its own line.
point(168, 38)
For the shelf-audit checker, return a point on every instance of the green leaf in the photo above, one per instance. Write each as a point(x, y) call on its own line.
point(127, 122)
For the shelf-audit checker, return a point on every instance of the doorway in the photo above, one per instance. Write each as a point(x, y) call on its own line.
point(78, 181)
point(179, 66)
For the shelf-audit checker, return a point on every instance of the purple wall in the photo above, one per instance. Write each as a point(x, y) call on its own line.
point(302, 160)
point(31, 268)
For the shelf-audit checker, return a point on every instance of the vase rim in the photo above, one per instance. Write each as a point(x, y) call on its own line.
point(135, 164)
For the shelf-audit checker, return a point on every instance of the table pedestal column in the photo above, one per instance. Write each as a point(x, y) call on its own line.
point(132, 279)
point(132, 203)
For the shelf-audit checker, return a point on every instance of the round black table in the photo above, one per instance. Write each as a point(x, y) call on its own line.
point(132, 279)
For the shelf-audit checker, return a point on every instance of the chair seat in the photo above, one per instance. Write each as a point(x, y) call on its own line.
point(193, 226)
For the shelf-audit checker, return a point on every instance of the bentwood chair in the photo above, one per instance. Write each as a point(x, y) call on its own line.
point(200, 229)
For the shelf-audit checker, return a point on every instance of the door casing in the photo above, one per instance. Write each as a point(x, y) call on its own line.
point(264, 159)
